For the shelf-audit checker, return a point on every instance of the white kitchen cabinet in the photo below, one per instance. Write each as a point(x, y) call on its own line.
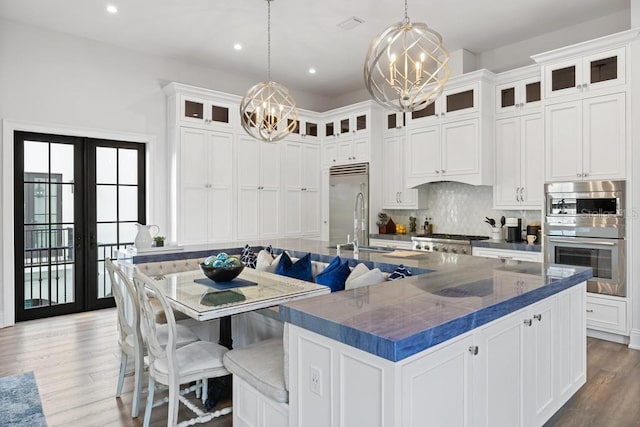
point(519, 176)
point(456, 100)
point(258, 181)
point(395, 194)
point(395, 124)
point(586, 139)
point(508, 254)
point(583, 74)
point(513, 369)
point(306, 129)
point(347, 138)
point(206, 113)
point(301, 171)
point(519, 96)
point(205, 187)
point(607, 314)
point(452, 151)
point(439, 387)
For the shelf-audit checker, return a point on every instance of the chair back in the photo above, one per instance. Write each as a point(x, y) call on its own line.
point(127, 303)
point(145, 285)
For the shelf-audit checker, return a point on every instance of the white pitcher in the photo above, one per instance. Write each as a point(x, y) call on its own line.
point(144, 238)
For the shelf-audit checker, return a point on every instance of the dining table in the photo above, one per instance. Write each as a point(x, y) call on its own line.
point(200, 298)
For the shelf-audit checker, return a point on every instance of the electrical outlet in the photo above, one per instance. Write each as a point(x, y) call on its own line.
point(315, 381)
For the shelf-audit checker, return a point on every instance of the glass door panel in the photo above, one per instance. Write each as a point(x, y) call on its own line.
point(563, 78)
point(533, 92)
point(460, 101)
point(508, 97)
point(193, 110)
point(604, 69)
point(311, 129)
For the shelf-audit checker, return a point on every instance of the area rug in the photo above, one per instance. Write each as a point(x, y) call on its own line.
point(20, 401)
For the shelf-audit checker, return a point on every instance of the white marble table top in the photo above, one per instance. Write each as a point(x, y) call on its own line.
point(185, 295)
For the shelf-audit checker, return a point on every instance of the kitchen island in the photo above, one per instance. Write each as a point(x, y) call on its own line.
point(475, 341)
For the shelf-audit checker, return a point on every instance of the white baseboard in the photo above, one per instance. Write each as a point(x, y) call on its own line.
point(608, 336)
point(634, 339)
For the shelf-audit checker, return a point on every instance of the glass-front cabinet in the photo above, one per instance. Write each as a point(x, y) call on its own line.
point(518, 95)
point(452, 103)
point(204, 112)
point(394, 123)
point(345, 125)
point(601, 70)
point(305, 128)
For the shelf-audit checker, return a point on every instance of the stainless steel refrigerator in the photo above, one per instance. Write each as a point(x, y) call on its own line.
point(345, 183)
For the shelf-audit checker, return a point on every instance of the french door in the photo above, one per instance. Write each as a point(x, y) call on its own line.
point(77, 201)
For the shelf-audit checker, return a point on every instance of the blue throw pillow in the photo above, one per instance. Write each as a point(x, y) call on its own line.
point(400, 273)
point(334, 275)
point(301, 269)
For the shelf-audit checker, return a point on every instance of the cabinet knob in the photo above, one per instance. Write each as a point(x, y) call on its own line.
point(473, 349)
point(585, 174)
point(528, 322)
point(517, 190)
point(578, 86)
point(437, 171)
point(578, 175)
point(442, 171)
point(538, 317)
point(589, 310)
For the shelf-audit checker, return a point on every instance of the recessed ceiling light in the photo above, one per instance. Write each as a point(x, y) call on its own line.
point(312, 70)
point(112, 9)
point(237, 46)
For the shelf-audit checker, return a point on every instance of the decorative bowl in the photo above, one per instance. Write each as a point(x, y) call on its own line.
point(221, 274)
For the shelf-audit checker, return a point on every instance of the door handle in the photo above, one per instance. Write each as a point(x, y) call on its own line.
point(92, 241)
point(585, 241)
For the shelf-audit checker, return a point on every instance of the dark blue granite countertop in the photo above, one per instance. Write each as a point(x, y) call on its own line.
point(395, 320)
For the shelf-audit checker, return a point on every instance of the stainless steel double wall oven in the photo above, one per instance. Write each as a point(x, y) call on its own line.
point(585, 225)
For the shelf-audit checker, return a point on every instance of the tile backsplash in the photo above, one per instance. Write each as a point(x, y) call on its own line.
point(457, 208)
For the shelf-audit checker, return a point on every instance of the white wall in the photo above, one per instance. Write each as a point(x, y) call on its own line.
point(62, 82)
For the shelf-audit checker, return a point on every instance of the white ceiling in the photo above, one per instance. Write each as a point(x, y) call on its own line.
point(304, 33)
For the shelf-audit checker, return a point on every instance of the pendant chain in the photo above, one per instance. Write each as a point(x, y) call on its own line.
point(269, 40)
point(406, 12)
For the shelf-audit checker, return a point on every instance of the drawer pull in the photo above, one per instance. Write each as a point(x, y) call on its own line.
point(538, 317)
point(589, 310)
point(473, 349)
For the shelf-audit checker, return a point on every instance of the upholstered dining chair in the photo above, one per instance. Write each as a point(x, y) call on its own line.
point(172, 366)
point(130, 337)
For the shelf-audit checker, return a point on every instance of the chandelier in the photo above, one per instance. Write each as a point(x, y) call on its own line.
point(267, 111)
point(406, 66)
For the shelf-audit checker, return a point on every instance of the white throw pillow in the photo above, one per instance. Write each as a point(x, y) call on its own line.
point(362, 276)
point(265, 261)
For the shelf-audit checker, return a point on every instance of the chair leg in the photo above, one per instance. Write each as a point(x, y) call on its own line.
point(174, 403)
point(121, 374)
point(137, 385)
point(147, 411)
point(205, 390)
point(198, 390)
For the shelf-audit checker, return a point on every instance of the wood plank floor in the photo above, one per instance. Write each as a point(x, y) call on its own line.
point(75, 360)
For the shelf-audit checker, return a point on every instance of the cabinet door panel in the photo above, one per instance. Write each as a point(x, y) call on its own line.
point(248, 211)
point(248, 172)
point(604, 137)
point(424, 152)
point(194, 168)
point(563, 141)
point(292, 225)
point(391, 153)
point(194, 218)
point(344, 149)
point(436, 389)
point(269, 164)
point(220, 209)
point(460, 148)
point(361, 149)
point(539, 357)
point(507, 162)
point(269, 213)
point(499, 380)
point(329, 153)
point(310, 166)
point(532, 160)
point(310, 212)
point(292, 165)
point(220, 214)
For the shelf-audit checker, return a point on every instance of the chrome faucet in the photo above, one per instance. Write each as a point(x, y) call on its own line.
point(358, 223)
